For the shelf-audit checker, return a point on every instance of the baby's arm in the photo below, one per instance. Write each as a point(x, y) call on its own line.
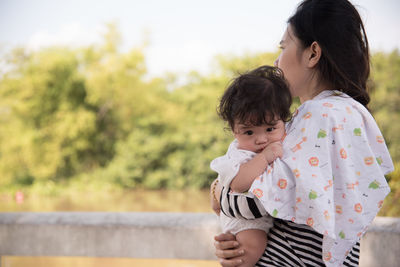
point(251, 235)
point(253, 242)
point(255, 167)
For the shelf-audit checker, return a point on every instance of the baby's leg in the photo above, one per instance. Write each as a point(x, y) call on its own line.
point(253, 242)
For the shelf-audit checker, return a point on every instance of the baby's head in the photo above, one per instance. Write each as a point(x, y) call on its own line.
point(256, 105)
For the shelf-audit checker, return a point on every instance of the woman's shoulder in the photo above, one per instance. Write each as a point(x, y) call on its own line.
point(327, 115)
point(329, 99)
point(332, 105)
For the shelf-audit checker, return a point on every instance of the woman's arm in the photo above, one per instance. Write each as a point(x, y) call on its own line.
point(255, 167)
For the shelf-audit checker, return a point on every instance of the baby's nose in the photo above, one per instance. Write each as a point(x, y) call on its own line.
point(262, 139)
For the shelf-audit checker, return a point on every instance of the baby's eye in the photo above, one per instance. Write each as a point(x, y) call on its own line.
point(270, 129)
point(248, 132)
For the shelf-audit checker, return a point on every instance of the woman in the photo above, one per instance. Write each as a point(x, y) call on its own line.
point(330, 183)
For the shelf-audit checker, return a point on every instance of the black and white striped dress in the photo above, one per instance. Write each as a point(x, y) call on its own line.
point(289, 244)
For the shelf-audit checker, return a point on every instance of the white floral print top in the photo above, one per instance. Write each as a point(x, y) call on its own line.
point(331, 176)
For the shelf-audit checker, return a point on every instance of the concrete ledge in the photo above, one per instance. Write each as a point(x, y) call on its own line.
point(107, 234)
point(150, 235)
point(380, 246)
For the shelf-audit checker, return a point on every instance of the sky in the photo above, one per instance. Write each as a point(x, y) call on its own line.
point(182, 35)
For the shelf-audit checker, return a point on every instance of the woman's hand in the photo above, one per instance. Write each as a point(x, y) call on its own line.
point(227, 250)
point(215, 193)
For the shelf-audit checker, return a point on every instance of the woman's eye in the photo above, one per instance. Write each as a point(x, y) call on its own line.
point(270, 129)
point(248, 133)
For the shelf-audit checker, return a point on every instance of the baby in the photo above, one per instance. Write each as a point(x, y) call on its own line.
point(255, 105)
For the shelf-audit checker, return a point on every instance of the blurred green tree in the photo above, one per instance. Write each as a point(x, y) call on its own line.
point(57, 110)
point(385, 100)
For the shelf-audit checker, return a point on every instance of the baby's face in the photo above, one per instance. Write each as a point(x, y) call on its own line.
point(256, 138)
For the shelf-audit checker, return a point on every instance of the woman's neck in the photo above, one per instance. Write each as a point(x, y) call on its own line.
point(314, 89)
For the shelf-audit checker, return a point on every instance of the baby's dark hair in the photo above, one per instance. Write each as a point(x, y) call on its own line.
point(260, 96)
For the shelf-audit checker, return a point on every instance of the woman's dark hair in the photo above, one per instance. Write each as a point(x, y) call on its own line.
point(337, 27)
point(258, 97)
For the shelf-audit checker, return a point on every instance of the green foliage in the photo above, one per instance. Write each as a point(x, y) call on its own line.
point(391, 204)
point(385, 99)
point(56, 111)
point(172, 147)
point(230, 65)
point(91, 116)
point(45, 117)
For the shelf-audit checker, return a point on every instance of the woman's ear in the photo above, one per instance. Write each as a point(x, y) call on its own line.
point(314, 54)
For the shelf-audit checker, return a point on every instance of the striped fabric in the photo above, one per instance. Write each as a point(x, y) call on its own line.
point(238, 206)
point(289, 244)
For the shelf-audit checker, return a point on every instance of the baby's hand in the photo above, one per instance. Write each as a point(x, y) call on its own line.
point(273, 151)
point(215, 193)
